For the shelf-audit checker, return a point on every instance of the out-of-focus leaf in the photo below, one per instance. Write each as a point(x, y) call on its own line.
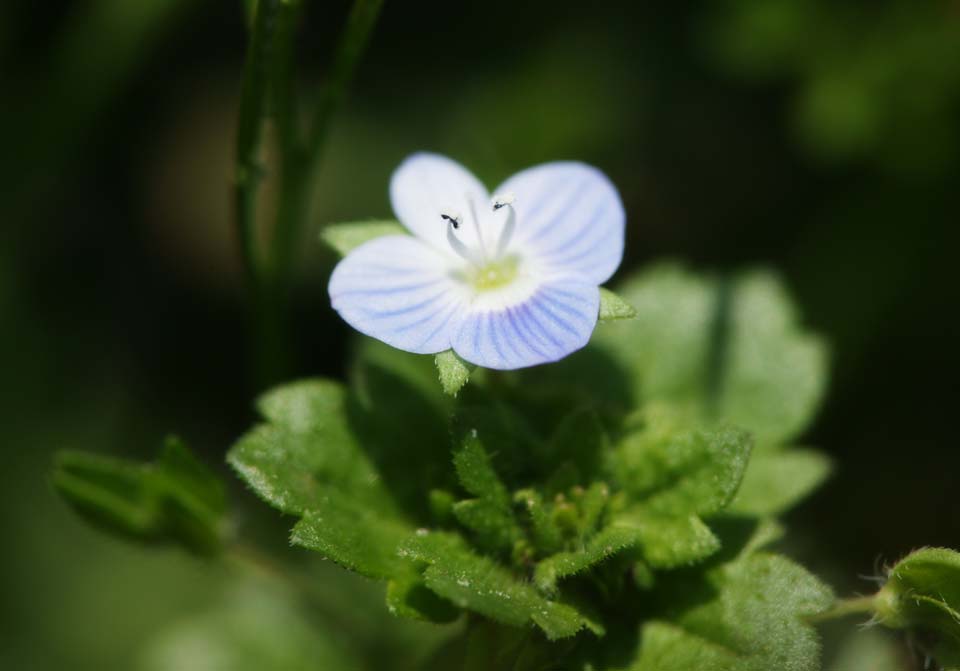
point(254, 630)
point(173, 500)
point(409, 597)
point(868, 649)
point(776, 480)
point(454, 371)
point(922, 593)
point(729, 351)
point(613, 307)
point(478, 584)
point(343, 238)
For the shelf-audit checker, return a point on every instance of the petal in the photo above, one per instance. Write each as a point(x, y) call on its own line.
point(555, 319)
point(398, 290)
point(569, 219)
point(426, 185)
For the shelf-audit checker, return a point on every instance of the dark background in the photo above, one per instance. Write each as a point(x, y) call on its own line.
point(819, 138)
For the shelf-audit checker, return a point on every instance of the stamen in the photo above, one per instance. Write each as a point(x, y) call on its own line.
point(506, 200)
point(503, 200)
point(453, 217)
point(461, 249)
point(476, 227)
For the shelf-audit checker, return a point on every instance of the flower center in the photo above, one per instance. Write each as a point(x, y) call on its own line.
point(494, 274)
point(487, 267)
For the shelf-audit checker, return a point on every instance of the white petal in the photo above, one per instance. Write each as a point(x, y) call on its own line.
point(569, 219)
point(398, 290)
point(425, 186)
point(552, 321)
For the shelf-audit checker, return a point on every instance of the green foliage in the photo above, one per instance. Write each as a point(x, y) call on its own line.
point(743, 615)
point(454, 371)
point(544, 507)
point(723, 349)
point(342, 238)
point(173, 500)
point(922, 593)
point(613, 307)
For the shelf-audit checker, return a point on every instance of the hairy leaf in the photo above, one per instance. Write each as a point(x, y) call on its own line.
point(483, 586)
point(745, 615)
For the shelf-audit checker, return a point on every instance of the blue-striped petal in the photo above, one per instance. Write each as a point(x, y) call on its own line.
point(426, 185)
point(569, 218)
point(399, 290)
point(555, 319)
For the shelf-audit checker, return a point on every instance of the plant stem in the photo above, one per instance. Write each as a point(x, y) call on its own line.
point(253, 108)
point(295, 201)
point(861, 605)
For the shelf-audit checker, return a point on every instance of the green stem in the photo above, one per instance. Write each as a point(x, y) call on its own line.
point(294, 209)
point(861, 605)
point(253, 109)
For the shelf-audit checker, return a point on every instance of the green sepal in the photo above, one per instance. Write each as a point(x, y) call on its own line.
point(345, 237)
point(614, 308)
point(454, 372)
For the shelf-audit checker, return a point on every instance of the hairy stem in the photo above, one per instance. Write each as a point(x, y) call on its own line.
point(860, 605)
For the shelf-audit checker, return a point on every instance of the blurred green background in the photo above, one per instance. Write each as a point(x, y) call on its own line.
point(819, 138)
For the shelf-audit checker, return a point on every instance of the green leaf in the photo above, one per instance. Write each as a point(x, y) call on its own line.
point(726, 350)
point(601, 546)
point(614, 308)
point(776, 480)
point(745, 615)
point(922, 593)
point(454, 371)
point(174, 500)
point(357, 537)
point(680, 472)
point(490, 515)
point(669, 541)
point(481, 585)
point(410, 598)
point(343, 238)
point(254, 629)
point(307, 451)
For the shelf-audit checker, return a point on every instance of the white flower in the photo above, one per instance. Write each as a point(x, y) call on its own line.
point(506, 281)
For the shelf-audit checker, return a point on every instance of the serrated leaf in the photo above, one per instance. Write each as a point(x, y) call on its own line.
point(601, 546)
point(454, 372)
point(358, 538)
point(490, 515)
point(481, 585)
point(173, 500)
point(613, 307)
point(922, 593)
point(307, 451)
point(680, 472)
point(746, 615)
point(729, 350)
point(673, 541)
point(776, 480)
point(343, 238)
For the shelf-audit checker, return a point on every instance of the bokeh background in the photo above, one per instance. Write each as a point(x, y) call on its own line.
point(818, 138)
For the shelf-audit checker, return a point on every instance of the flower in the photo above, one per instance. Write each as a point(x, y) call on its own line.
point(507, 281)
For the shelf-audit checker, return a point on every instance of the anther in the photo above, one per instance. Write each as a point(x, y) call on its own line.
point(503, 200)
point(452, 217)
